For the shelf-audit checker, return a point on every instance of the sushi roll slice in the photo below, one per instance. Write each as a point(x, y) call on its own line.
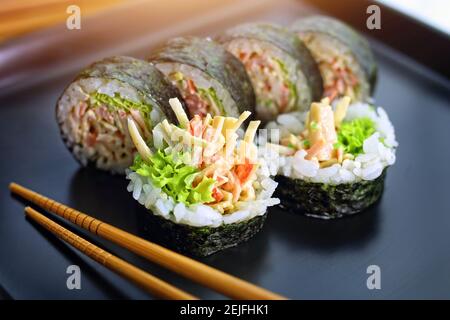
point(93, 109)
point(345, 60)
point(206, 189)
point(333, 161)
point(210, 79)
point(284, 75)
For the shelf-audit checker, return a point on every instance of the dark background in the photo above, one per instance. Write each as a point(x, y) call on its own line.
point(406, 233)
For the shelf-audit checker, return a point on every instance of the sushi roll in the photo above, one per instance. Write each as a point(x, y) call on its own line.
point(206, 189)
point(284, 75)
point(332, 161)
point(93, 109)
point(210, 79)
point(345, 59)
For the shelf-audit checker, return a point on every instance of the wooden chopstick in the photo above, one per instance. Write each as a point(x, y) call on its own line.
point(152, 284)
point(203, 274)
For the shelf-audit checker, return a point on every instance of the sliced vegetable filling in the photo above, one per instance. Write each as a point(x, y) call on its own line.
point(339, 69)
point(327, 138)
point(201, 161)
point(200, 101)
point(99, 125)
point(275, 92)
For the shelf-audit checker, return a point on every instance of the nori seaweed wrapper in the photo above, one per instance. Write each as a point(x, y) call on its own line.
point(286, 41)
point(140, 74)
point(344, 33)
point(211, 58)
point(328, 201)
point(198, 241)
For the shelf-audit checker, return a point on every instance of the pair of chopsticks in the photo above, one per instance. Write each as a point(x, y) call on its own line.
point(205, 275)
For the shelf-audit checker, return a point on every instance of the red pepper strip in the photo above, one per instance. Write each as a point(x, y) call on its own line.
point(243, 171)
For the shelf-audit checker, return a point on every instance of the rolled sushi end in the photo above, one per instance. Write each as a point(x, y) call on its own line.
point(93, 110)
point(283, 73)
point(92, 114)
point(344, 57)
point(207, 190)
point(332, 161)
point(210, 79)
point(200, 241)
point(328, 201)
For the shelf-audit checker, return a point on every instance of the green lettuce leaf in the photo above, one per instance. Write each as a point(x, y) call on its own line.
point(352, 134)
point(121, 103)
point(211, 93)
point(291, 86)
point(175, 178)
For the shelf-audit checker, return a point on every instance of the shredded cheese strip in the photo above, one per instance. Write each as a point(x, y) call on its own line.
point(325, 101)
point(247, 151)
point(207, 120)
point(231, 142)
point(188, 138)
point(138, 141)
point(244, 115)
point(341, 111)
point(280, 149)
point(209, 170)
point(217, 140)
point(159, 127)
point(179, 112)
point(166, 127)
point(228, 124)
point(251, 131)
point(217, 124)
point(174, 134)
point(215, 147)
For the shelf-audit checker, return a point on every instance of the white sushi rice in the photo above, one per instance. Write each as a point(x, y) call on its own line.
point(200, 215)
point(369, 165)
